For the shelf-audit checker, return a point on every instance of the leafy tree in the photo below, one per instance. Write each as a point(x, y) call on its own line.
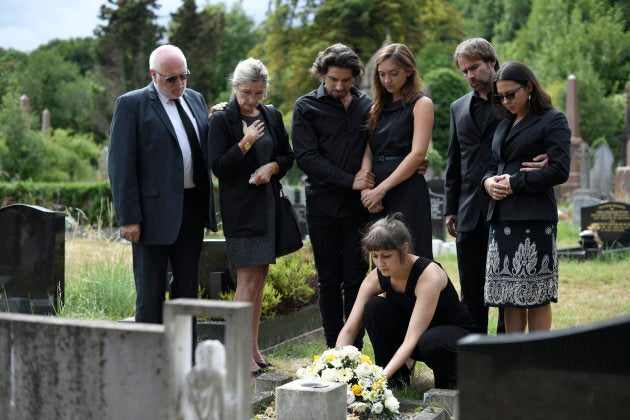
point(494, 20)
point(11, 62)
point(80, 51)
point(22, 149)
point(445, 85)
point(594, 47)
point(126, 41)
point(239, 38)
point(196, 33)
point(55, 84)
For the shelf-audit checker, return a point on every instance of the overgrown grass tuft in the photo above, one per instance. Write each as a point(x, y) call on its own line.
point(99, 280)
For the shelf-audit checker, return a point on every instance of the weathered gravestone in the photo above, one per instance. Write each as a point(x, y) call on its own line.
point(32, 256)
point(571, 374)
point(611, 222)
point(601, 174)
point(437, 197)
point(215, 275)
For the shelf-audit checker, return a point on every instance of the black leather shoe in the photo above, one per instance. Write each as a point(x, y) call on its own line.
point(257, 373)
point(265, 365)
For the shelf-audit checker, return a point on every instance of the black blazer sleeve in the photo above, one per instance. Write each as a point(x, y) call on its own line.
point(533, 197)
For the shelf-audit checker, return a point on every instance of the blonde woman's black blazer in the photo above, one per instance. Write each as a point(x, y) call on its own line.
point(243, 206)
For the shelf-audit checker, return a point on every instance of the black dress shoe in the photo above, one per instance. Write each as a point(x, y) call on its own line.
point(257, 373)
point(265, 365)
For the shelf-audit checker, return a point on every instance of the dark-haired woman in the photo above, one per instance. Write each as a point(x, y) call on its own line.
point(419, 317)
point(522, 264)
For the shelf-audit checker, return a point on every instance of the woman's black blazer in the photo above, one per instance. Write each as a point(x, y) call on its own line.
point(243, 206)
point(533, 197)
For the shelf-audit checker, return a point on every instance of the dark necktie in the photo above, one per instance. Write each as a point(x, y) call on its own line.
point(195, 149)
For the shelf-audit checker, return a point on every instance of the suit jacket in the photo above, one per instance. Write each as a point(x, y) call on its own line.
point(468, 158)
point(533, 197)
point(243, 206)
point(146, 167)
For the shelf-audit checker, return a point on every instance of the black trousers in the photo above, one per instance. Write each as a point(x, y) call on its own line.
point(472, 249)
point(340, 268)
point(150, 263)
point(386, 322)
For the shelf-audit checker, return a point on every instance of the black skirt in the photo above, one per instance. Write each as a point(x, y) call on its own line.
point(522, 264)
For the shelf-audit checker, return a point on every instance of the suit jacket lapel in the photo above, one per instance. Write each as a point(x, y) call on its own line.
point(160, 111)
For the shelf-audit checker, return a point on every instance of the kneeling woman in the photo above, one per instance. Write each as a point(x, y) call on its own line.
point(419, 317)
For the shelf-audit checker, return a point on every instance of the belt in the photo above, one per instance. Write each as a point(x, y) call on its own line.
point(386, 158)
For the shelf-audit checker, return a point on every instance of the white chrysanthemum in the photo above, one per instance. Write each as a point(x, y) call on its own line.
point(329, 375)
point(345, 375)
point(350, 352)
point(365, 382)
point(377, 408)
point(350, 398)
point(391, 403)
point(301, 372)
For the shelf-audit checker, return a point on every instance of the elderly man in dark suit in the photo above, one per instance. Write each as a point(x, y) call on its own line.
point(473, 123)
point(160, 181)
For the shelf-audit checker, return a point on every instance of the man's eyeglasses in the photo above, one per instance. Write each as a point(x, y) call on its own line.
point(509, 95)
point(173, 79)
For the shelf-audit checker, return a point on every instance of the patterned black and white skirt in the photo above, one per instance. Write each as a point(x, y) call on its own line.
point(522, 264)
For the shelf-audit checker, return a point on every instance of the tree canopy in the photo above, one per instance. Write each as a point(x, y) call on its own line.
point(78, 80)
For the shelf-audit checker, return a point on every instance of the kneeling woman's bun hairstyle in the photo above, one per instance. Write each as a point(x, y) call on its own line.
point(387, 234)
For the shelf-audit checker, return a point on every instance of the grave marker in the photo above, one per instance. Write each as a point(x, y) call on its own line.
point(611, 221)
point(32, 255)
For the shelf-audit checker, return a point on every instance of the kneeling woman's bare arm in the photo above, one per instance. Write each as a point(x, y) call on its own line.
point(431, 282)
point(370, 287)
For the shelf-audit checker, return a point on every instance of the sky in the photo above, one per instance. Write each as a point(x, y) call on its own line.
point(27, 24)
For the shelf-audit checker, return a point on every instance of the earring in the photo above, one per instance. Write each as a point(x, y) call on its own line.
point(529, 98)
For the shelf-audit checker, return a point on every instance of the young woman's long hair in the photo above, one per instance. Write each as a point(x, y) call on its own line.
point(401, 55)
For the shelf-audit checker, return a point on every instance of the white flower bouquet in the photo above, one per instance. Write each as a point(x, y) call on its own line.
point(367, 385)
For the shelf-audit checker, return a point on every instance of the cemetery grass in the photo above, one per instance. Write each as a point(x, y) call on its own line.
point(99, 285)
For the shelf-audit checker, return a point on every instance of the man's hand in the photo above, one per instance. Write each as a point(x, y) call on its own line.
point(538, 162)
point(424, 165)
point(451, 224)
point(215, 108)
point(364, 179)
point(130, 232)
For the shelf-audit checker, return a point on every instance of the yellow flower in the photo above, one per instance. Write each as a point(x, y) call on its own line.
point(356, 389)
point(331, 357)
point(365, 359)
point(378, 384)
point(316, 358)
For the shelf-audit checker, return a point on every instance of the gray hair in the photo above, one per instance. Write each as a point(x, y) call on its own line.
point(248, 71)
point(163, 51)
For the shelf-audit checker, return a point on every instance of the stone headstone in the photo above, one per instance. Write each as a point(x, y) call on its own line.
point(437, 197)
point(582, 198)
point(575, 373)
point(611, 222)
point(31, 259)
point(309, 400)
point(601, 174)
point(215, 275)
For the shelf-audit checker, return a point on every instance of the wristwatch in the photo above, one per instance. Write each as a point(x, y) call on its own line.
point(246, 145)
